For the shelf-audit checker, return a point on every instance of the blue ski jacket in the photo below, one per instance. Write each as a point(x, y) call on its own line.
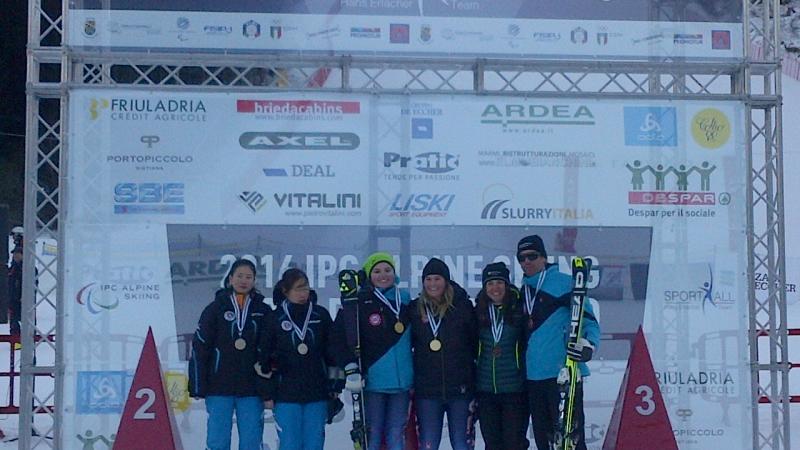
point(548, 324)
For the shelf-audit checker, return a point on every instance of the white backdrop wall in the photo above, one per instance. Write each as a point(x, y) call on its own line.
point(166, 190)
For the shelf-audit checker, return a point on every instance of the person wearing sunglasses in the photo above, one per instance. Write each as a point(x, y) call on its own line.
point(546, 294)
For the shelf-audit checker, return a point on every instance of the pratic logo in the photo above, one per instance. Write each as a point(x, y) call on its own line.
point(142, 109)
point(711, 128)
point(420, 205)
point(252, 200)
point(298, 109)
point(302, 170)
point(149, 198)
point(706, 296)
point(532, 118)
point(672, 187)
point(499, 205)
point(650, 126)
point(285, 140)
point(435, 166)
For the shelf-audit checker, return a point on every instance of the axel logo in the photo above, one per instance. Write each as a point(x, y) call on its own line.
point(91, 296)
point(96, 105)
point(711, 128)
point(681, 180)
point(253, 200)
point(253, 140)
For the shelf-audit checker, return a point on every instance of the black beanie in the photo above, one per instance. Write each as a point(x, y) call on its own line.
point(495, 271)
point(436, 267)
point(532, 242)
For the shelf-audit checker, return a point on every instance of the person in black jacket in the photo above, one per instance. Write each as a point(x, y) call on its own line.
point(225, 349)
point(444, 338)
point(502, 400)
point(15, 291)
point(299, 354)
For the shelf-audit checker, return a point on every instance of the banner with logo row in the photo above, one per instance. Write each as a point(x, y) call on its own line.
point(167, 190)
point(510, 28)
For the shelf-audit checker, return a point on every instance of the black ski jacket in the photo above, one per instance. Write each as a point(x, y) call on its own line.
point(216, 367)
point(450, 372)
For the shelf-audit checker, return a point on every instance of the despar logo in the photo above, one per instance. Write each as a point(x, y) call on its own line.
point(515, 116)
point(149, 198)
point(711, 128)
point(286, 140)
point(706, 294)
point(420, 205)
point(499, 204)
point(674, 185)
point(143, 109)
point(650, 126)
point(298, 109)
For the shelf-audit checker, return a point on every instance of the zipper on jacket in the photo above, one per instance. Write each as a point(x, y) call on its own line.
point(494, 374)
point(444, 387)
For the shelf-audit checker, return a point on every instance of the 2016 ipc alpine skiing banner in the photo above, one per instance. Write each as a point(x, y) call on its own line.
point(166, 190)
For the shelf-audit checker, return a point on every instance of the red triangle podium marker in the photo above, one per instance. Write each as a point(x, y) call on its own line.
point(640, 420)
point(147, 422)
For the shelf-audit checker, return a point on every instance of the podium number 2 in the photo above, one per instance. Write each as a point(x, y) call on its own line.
point(648, 405)
point(142, 412)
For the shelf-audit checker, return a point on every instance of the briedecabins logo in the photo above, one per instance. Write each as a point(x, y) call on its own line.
point(527, 118)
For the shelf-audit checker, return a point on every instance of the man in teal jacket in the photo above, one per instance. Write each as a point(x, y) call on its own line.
point(546, 293)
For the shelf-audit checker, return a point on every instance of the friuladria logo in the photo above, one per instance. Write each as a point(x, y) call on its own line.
point(526, 115)
point(711, 128)
point(420, 205)
point(679, 177)
point(650, 126)
point(697, 382)
point(286, 140)
point(137, 109)
point(149, 198)
point(499, 204)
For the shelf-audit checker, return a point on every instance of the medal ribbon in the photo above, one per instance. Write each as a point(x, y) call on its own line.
point(301, 333)
point(497, 325)
point(531, 299)
point(397, 302)
point(241, 316)
point(432, 323)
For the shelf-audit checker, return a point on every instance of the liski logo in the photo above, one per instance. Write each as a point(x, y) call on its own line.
point(650, 126)
point(679, 182)
point(421, 205)
point(253, 200)
point(429, 162)
point(93, 297)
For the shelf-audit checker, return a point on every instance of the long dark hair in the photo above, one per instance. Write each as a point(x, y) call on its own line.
point(239, 263)
point(511, 305)
point(287, 281)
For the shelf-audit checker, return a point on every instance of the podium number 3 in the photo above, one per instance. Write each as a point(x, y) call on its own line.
point(648, 405)
point(142, 412)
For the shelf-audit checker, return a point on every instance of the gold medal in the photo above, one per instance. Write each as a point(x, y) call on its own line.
point(240, 344)
point(435, 345)
point(399, 328)
point(302, 348)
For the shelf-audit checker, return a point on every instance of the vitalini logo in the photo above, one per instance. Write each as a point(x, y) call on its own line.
point(253, 200)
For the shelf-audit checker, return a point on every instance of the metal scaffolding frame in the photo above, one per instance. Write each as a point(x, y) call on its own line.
point(53, 69)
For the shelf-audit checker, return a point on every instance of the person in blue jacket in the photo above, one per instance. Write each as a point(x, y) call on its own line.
point(385, 337)
point(547, 294)
point(225, 349)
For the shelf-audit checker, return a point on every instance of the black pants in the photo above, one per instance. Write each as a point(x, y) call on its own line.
point(15, 309)
point(504, 420)
point(543, 406)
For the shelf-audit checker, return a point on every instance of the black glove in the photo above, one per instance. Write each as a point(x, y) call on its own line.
point(348, 283)
point(365, 287)
point(335, 406)
point(581, 351)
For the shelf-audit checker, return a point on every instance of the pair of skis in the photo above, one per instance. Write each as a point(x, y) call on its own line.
point(567, 434)
point(349, 283)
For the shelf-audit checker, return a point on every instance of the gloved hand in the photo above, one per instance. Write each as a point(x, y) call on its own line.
point(365, 286)
point(581, 351)
point(348, 283)
point(353, 381)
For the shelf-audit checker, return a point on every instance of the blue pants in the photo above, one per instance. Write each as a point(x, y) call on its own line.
point(429, 419)
point(249, 422)
point(387, 415)
point(301, 426)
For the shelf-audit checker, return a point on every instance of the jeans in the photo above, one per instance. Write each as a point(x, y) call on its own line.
point(543, 401)
point(249, 422)
point(301, 426)
point(503, 420)
point(429, 419)
point(386, 416)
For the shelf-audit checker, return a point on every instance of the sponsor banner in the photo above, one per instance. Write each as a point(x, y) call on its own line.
point(522, 30)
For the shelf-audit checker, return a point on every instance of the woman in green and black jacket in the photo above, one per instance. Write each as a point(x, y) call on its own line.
point(502, 403)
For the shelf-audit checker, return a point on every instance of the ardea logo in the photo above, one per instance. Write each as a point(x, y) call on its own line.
point(711, 128)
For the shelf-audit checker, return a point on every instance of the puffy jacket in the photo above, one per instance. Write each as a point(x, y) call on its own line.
point(549, 324)
point(216, 367)
point(503, 373)
point(385, 353)
point(299, 378)
point(450, 372)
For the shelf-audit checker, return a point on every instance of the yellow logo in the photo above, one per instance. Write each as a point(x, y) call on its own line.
point(95, 106)
point(178, 390)
point(710, 128)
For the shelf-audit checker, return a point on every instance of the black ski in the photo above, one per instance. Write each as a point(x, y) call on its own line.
point(348, 288)
point(566, 433)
